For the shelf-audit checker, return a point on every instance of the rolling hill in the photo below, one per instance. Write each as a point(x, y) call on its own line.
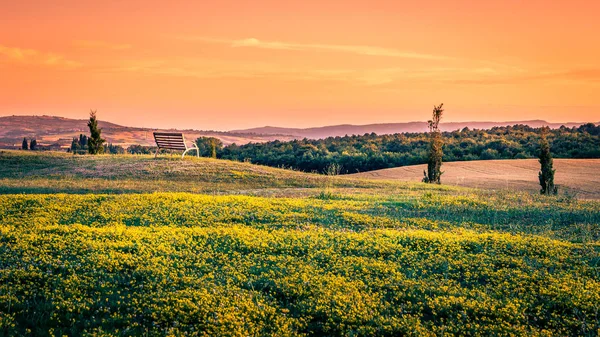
point(389, 128)
point(59, 132)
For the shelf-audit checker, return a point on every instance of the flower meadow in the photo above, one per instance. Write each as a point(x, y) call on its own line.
point(132, 246)
point(416, 263)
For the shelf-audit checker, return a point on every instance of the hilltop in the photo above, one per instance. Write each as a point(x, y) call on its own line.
point(54, 172)
point(59, 132)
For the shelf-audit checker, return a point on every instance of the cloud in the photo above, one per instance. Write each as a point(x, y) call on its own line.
point(101, 45)
point(219, 69)
point(35, 57)
point(16, 53)
point(352, 49)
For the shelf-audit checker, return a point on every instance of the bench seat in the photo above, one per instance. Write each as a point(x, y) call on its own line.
point(173, 141)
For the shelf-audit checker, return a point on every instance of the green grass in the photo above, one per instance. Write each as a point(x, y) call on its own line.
point(51, 172)
point(86, 247)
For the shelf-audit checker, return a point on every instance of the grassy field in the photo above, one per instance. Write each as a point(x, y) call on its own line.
point(226, 248)
point(30, 172)
point(579, 177)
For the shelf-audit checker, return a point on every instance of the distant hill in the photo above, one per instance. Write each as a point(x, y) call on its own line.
point(58, 132)
point(16, 126)
point(389, 128)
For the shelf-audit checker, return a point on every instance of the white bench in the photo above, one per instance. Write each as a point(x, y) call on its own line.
point(173, 141)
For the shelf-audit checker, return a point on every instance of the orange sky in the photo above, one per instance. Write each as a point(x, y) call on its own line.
point(235, 64)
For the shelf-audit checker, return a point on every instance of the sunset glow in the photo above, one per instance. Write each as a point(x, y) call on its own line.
point(235, 64)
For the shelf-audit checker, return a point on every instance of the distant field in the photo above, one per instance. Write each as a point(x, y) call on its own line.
point(87, 247)
point(578, 176)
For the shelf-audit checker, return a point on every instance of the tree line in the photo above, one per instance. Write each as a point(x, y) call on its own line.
point(371, 151)
point(360, 153)
point(351, 154)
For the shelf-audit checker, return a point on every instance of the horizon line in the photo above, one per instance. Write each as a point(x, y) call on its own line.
point(248, 129)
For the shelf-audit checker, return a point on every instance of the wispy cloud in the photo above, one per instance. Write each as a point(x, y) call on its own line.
point(16, 53)
point(212, 69)
point(353, 49)
point(101, 45)
point(35, 57)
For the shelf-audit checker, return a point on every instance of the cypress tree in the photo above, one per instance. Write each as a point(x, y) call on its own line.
point(74, 145)
point(434, 160)
point(95, 142)
point(546, 175)
point(24, 146)
point(82, 141)
point(33, 144)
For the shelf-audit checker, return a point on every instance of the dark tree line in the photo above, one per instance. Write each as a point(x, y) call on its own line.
point(371, 152)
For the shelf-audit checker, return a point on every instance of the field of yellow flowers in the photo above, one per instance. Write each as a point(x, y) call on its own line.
point(337, 258)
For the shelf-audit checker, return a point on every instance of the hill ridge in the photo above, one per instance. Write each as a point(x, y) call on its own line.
point(59, 131)
point(390, 128)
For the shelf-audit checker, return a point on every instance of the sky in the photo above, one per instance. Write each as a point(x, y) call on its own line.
point(223, 65)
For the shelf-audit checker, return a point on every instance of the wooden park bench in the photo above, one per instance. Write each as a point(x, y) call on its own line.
point(173, 141)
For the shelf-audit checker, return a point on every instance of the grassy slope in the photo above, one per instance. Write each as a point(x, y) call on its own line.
point(52, 172)
point(327, 256)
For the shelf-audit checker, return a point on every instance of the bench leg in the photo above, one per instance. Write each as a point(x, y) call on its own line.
point(195, 148)
point(156, 153)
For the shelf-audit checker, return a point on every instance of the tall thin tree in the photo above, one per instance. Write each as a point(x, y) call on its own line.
point(24, 145)
point(95, 141)
point(546, 174)
point(33, 145)
point(82, 141)
point(213, 148)
point(434, 160)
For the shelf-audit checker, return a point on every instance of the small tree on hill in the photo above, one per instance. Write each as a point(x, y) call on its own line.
point(434, 160)
point(33, 145)
point(95, 142)
point(74, 145)
point(83, 142)
point(24, 146)
point(546, 175)
point(209, 146)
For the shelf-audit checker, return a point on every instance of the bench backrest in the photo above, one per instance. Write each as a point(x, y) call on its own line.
point(170, 140)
